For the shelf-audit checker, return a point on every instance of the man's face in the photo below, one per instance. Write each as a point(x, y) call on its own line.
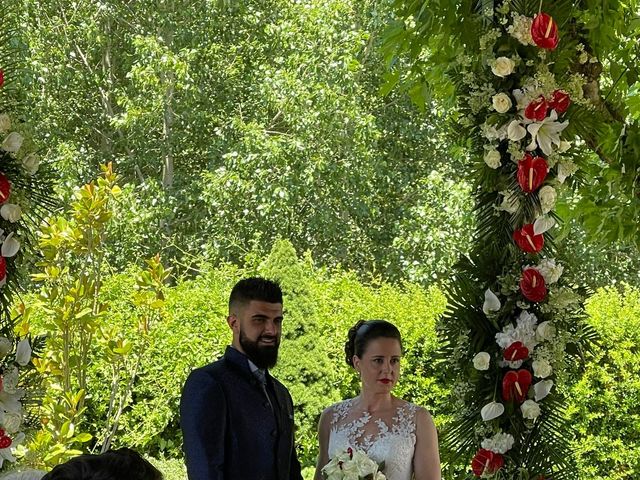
point(256, 331)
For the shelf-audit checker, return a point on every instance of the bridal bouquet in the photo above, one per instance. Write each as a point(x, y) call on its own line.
point(353, 465)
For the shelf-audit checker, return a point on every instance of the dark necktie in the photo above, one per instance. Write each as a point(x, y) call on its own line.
point(262, 379)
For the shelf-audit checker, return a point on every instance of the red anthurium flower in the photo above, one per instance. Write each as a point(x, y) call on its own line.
point(527, 240)
point(537, 109)
point(1, 78)
point(544, 31)
point(560, 101)
point(5, 442)
point(5, 188)
point(532, 171)
point(515, 385)
point(516, 351)
point(486, 461)
point(532, 285)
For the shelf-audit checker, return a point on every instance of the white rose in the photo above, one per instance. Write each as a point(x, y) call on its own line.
point(366, 466)
point(515, 131)
point(542, 389)
point(541, 368)
point(5, 123)
point(492, 158)
point(11, 422)
point(5, 346)
point(547, 197)
point(11, 212)
point(501, 102)
point(545, 331)
point(13, 142)
point(530, 409)
point(503, 66)
point(31, 163)
point(481, 361)
point(549, 270)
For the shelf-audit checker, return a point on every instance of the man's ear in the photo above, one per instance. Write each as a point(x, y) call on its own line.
point(232, 321)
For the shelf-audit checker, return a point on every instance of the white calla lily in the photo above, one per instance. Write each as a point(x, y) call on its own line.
point(542, 225)
point(491, 410)
point(10, 246)
point(491, 302)
point(23, 352)
point(515, 131)
point(542, 389)
point(12, 142)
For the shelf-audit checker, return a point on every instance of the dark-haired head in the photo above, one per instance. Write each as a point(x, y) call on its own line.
point(255, 316)
point(254, 288)
point(123, 463)
point(363, 332)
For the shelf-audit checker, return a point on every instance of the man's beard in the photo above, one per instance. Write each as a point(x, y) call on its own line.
point(262, 356)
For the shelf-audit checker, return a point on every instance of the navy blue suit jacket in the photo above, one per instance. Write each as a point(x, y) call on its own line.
point(230, 431)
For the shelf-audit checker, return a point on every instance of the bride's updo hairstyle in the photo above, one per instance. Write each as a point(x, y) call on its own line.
point(363, 332)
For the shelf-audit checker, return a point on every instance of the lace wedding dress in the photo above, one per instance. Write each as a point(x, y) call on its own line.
point(392, 444)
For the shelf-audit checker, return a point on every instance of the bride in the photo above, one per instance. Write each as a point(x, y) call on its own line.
point(387, 428)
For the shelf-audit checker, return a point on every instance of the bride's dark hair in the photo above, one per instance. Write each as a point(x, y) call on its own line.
point(363, 332)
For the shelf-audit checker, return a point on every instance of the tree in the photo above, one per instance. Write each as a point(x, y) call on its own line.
point(232, 124)
point(424, 41)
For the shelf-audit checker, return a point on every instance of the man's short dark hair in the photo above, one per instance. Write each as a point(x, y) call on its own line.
point(255, 288)
point(120, 464)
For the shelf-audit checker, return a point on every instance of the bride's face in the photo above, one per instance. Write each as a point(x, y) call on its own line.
point(379, 366)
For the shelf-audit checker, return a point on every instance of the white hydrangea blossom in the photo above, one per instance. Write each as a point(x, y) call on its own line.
point(521, 29)
point(524, 332)
point(500, 443)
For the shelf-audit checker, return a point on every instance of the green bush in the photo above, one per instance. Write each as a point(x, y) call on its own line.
point(605, 402)
point(320, 306)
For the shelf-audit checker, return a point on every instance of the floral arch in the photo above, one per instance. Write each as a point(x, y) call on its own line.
point(524, 79)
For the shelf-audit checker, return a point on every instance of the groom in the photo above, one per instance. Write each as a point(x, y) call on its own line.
point(236, 419)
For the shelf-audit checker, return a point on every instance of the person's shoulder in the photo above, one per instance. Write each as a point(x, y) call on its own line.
point(209, 373)
point(334, 411)
point(420, 412)
point(338, 409)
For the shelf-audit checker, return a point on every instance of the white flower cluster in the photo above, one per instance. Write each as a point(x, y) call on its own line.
point(510, 202)
point(11, 412)
point(524, 331)
point(500, 443)
point(352, 465)
point(550, 270)
point(521, 29)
